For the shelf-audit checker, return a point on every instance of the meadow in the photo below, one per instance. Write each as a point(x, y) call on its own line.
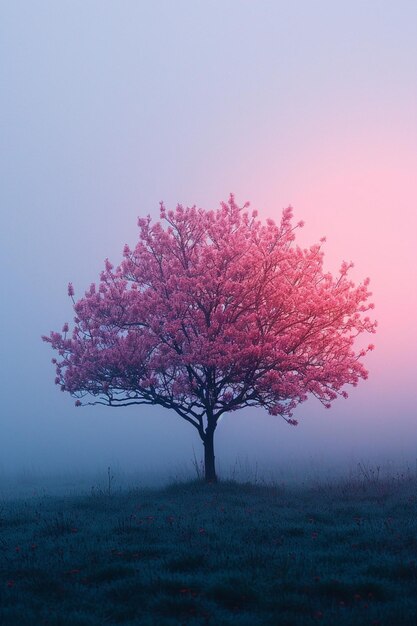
point(224, 554)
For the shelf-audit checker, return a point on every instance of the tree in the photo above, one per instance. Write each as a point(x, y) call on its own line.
point(214, 311)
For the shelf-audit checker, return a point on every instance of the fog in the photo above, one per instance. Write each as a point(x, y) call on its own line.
point(107, 108)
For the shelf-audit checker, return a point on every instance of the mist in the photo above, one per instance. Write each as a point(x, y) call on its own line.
point(108, 109)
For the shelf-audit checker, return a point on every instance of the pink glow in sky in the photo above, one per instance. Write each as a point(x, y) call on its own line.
point(362, 197)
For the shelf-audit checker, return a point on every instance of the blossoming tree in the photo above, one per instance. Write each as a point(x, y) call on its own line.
point(214, 311)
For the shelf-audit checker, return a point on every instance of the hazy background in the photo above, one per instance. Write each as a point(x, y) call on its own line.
point(109, 107)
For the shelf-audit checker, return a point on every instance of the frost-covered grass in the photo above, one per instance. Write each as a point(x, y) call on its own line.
point(214, 554)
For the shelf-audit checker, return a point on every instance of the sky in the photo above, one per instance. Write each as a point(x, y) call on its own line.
point(107, 108)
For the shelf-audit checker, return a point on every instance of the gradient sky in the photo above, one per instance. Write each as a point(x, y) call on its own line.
point(109, 107)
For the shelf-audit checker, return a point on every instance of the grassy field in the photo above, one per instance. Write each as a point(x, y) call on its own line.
point(214, 555)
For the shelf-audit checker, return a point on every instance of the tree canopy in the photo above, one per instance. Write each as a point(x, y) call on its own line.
point(213, 311)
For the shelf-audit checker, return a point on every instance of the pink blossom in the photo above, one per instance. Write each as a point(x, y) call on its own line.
point(214, 311)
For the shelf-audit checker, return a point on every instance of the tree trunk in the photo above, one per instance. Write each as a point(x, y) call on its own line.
point(209, 467)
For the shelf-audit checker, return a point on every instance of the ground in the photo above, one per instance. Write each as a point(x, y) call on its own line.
point(225, 554)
